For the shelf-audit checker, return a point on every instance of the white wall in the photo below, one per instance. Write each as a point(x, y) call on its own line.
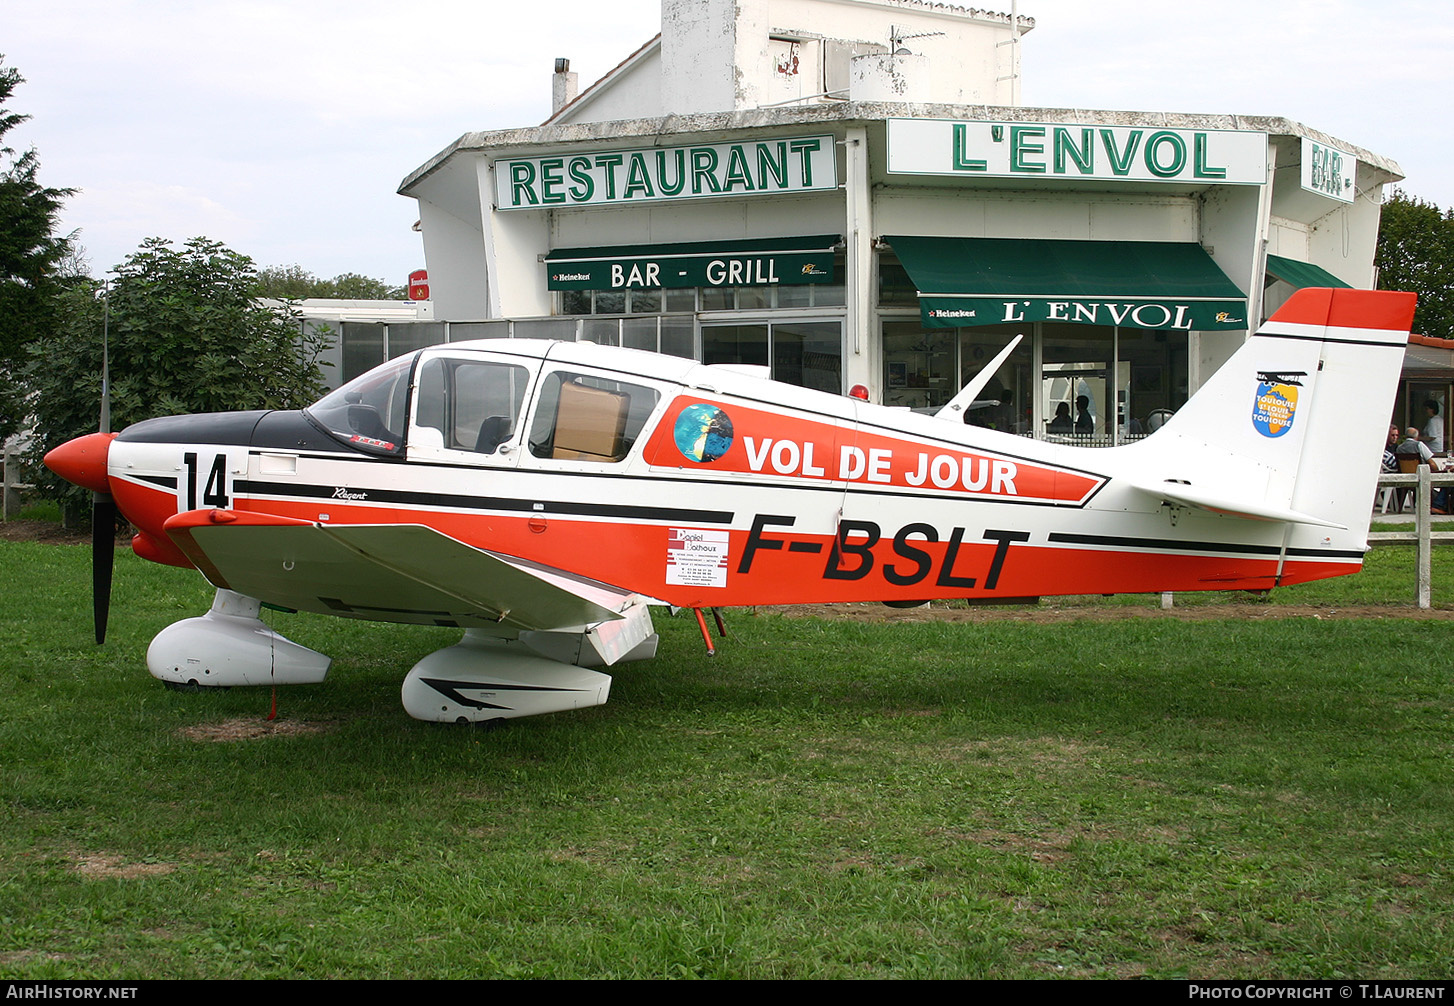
point(703, 220)
point(1072, 216)
point(519, 240)
point(1232, 234)
point(718, 55)
point(1340, 237)
point(452, 226)
point(1345, 241)
point(964, 61)
point(712, 54)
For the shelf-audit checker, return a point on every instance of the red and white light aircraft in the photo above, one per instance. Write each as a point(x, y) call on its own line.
point(541, 495)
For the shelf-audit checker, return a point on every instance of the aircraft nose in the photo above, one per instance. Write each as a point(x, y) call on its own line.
point(83, 461)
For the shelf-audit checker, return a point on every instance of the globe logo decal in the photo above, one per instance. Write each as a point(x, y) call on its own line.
point(1275, 404)
point(703, 433)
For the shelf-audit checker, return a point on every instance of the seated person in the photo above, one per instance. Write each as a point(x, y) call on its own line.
point(1413, 445)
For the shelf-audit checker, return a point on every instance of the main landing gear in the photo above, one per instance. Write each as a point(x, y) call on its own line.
point(480, 679)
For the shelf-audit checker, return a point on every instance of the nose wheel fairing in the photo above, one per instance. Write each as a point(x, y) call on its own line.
point(231, 646)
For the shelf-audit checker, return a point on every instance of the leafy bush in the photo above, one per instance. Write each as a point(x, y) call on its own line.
point(186, 335)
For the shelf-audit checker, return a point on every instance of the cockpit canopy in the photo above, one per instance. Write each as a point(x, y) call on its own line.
point(470, 403)
point(370, 412)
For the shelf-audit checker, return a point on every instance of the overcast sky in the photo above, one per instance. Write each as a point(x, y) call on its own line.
point(284, 128)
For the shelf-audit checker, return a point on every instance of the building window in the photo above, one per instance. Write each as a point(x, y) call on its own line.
point(363, 348)
point(1007, 402)
point(414, 335)
point(919, 365)
point(463, 331)
point(741, 344)
point(895, 289)
point(1097, 386)
point(807, 354)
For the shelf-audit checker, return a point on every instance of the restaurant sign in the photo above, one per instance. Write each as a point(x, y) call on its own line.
point(654, 174)
point(1328, 171)
point(1183, 314)
point(1072, 150)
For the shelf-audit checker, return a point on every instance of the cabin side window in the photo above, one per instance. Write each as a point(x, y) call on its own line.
point(474, 405)
point(583, 417)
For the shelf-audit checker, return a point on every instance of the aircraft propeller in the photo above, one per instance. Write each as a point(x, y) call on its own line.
point(103, 554)
point(83, 462)
point(103, 505)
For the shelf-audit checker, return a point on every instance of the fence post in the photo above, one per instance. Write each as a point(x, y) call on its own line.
point(1423, 500)
point(9, 466)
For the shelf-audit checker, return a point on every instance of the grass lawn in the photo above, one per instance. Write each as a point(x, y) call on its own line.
point(1084, 796)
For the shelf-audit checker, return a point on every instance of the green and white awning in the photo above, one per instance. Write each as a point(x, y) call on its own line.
point(747, 262)
point(1302, 274)
point(964, 282)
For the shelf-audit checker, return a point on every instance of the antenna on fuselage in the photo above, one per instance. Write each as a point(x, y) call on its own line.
point(954, 408)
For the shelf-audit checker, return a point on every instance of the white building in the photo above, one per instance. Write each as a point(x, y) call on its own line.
point(850, 192)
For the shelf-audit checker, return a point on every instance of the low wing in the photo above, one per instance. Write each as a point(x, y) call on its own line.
point(389, 573)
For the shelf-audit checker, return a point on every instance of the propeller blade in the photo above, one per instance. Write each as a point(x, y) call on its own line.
point(103, 555)
point(103, 506)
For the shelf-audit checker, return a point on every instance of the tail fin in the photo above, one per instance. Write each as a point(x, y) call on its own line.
point(1292, 427)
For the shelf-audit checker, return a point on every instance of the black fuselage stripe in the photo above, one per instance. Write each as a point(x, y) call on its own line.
point(1162, 544)
point(461, 502)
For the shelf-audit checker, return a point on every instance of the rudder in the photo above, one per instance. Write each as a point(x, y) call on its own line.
point(1297, 418)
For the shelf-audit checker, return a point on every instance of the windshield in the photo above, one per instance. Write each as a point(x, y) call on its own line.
point(370, 412)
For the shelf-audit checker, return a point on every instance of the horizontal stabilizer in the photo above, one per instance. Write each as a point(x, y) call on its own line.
point(1181, 494)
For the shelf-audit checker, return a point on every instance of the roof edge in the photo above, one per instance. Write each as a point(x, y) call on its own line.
point(653, 128)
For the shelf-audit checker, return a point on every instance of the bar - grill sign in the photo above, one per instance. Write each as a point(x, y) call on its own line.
point(1329, 171)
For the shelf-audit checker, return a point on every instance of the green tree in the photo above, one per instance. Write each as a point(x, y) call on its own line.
point(1416, 253)
point(293, 282)
point(186, 335)
point(30, 256)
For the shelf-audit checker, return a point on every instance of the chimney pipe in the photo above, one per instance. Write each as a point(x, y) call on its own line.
point(562, 86)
